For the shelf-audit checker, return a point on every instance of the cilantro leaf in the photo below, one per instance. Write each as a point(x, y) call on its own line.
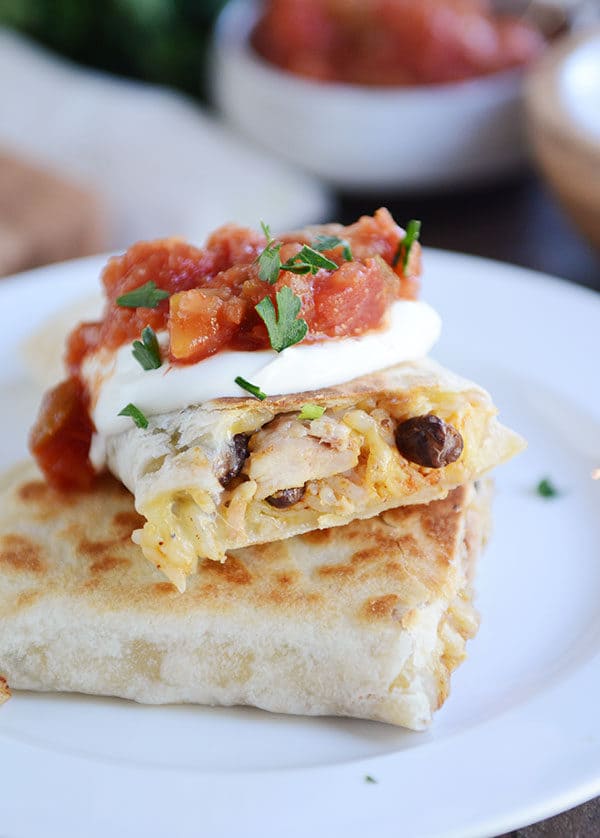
point(146, 296)
point(308, 260)
point(546, 489)
point(283, 327)
point(311, 411)
point(330, 243)
point(251, 388)
point(413, 230)
point(147, 351)
point(136, 414)
point(369, 779)
point(269, 263)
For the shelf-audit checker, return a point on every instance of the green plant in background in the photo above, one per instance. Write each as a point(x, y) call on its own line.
point(162, 41)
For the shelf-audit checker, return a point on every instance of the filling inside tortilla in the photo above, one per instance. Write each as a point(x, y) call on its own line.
point(291, 475)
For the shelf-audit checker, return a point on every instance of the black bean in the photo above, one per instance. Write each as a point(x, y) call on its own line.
point(428, 441)
point(286, 497)
point(235, 459)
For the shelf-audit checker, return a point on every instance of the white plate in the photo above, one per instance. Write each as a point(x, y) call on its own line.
point(519, 738)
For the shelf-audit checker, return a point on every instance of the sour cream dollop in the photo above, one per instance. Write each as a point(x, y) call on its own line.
point(115, 378)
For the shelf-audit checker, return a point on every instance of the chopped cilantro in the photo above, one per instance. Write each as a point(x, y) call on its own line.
point(147, 351)
point(369, 779)
point(308, 260)
point(330, 243)
point(269, 263)
point(413, 230)
point(284, 328)
point(146, 296)
point(136, 414)
point(546, 489)
point(251, 388)
point(311, 411)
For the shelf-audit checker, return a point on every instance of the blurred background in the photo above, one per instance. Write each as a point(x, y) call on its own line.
point(133, 119)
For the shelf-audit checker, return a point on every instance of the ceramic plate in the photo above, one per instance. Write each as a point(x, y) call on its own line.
point(519, 738)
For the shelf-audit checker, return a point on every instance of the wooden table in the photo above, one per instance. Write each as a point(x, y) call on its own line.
point(516, 222)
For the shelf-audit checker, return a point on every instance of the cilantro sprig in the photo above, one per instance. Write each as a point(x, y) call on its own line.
point(323, 242)
point(308, 260)
point(269, 263)
point(146, 296)
point(250, 388)
point(136, 414)
point(546, 489)
point(284, 326)
point(413, 230)
point(147, 351)
point(311, 411)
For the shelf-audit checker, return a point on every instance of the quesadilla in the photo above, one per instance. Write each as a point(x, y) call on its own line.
point(346, 417)
point(231, 473)
point(365, 620)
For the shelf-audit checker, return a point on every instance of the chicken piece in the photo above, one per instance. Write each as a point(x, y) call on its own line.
point(288, 452)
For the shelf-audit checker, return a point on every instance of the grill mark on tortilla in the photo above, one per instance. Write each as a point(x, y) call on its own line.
point(21, 553)
point(128, 521)
point(232, 570)
point(91, 549)
point(124, 523)
point(367, 559)
point(381, 607)
point(108, 563)
point(318, 536)
point(163, 588)
point(33, 491)
point(28, 598)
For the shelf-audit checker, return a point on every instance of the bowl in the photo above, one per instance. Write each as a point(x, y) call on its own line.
point(362, 138)
point(563, 124)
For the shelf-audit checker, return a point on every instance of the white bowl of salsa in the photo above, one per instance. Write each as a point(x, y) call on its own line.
point(374, 137)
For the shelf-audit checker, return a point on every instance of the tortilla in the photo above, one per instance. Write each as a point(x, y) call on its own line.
point(365, 620)
point(346, 463)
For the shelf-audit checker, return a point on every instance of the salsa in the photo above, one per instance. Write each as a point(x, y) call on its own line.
point(213, 291)
point(209, 299)
point(61, 437)
point(393, 42)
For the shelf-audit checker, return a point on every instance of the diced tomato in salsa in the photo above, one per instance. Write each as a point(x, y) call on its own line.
point(60, 439)
point(202, 320)
point(213, 292)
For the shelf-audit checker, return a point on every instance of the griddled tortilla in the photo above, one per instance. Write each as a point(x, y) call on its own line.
point(365, 620)
point(344, 465)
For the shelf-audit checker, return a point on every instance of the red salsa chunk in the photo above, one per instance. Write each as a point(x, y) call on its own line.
point(207, 300)
point(60, 439)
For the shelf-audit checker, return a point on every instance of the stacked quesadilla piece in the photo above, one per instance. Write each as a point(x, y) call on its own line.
point(311, 552)
point(366, 620)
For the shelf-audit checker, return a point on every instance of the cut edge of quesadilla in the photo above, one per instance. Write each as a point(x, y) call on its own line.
point(298, 475)
point(367, 620)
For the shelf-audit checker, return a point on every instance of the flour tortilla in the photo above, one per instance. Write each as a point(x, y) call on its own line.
point(347, 461)
point(365, 620)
